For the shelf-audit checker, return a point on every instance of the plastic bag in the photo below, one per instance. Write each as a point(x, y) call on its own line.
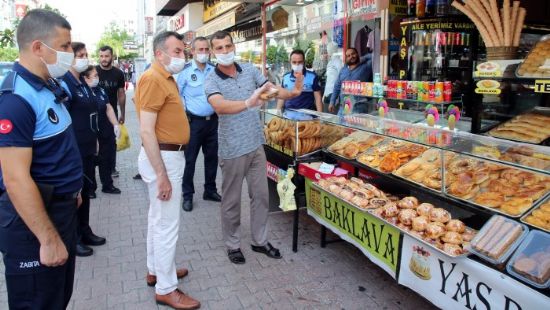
point(123, 141)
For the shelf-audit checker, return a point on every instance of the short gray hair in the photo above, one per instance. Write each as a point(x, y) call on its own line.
point(198, 39)
point(39, 24)
point(160, 39)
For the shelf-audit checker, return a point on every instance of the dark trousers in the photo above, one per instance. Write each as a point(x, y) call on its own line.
point(88, 167)
point(204, 134)
point(31, 285)
point(106, 160)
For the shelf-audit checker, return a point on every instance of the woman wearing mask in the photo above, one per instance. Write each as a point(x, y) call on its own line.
point(108, 130)
point(82, 107)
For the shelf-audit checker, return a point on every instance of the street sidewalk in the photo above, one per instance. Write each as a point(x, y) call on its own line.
point(336, 277)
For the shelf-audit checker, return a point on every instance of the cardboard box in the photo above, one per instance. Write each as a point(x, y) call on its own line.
point(311, 171)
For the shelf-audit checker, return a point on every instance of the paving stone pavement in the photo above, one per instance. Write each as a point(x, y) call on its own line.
point(336, 277)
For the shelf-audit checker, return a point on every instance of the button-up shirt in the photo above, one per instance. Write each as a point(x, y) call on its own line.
point(191, 86)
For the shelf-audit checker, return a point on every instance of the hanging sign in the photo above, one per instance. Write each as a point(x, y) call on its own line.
point(542, 86)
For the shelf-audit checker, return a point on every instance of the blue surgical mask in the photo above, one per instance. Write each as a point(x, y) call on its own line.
point(63, 63)
point(226, 59)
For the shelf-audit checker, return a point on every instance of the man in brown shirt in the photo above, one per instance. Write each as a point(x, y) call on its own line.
point(164, 133)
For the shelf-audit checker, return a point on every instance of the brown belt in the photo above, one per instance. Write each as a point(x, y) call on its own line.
point(172, 147)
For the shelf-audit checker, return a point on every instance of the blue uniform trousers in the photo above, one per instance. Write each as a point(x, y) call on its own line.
point(29, 284)
point(204, 134)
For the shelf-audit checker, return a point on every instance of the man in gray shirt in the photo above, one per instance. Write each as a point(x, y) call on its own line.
point(234, 92)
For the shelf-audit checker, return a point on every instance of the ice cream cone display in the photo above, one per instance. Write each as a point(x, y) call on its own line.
point(382, 107)
point(432, 115)
point(500, 28)
point(453, 116)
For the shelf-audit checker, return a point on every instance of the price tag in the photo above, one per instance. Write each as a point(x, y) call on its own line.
point(486, 91)
point(326, 168)
point(542, 86)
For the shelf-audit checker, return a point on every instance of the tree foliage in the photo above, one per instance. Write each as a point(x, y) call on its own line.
point(115, 37)
point(8, 54)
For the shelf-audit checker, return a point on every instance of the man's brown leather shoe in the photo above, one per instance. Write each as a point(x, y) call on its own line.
point(178, 300)
point(152, 280)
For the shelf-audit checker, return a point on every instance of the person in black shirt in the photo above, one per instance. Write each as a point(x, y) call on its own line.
point(111, 79)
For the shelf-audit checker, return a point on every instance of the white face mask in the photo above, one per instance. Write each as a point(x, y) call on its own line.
point(226, 59)
point(202, 58)
point(93, 83)
point(62, 64)
point(176, 64)
point(81, 64)
point(298, 68)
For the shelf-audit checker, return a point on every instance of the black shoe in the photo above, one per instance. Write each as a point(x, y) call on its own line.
point(236, 256)
point(137, 177)
point(91, 239)
point(187, 205)
point(213, 196)
point(111, 190)
point(268, 250)
point(82, 250)
point(92, 195)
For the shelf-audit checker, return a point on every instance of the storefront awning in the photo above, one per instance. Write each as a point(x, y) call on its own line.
point(223, 22)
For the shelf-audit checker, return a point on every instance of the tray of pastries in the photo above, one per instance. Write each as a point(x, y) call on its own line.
point(525, 156)
point(391, 155)
point(355, 143)
point(425, 170)
point(497, 239)
point(531, 127)
point(312, 135)
point(539, 217)
point(531, 261)
point(355, 191)
point(537, 63)
point(429, 224)
point(502, 189)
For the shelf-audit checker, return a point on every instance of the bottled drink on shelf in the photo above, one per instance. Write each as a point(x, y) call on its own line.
point(442, 7)
point(447, 91)
point(420, 8)
point(411, 7)
point(430, 7)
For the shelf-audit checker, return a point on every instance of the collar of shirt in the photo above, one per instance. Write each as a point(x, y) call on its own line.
point(160, 70)
point(36, 82)
point(225, 76)
point(207, 66)
point(80, 83)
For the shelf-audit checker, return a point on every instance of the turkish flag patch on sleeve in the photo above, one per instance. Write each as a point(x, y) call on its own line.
point(5, 126)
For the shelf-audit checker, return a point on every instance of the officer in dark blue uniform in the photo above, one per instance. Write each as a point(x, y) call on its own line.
point(310, 98)
point(108, 130)
point(41, 170)
point(83, 109)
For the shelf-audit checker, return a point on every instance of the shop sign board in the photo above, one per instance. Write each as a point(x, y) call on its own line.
point(366, 9)
point(398, 7)
point(221, 23)
point(176, 23)
point(542, 86)
point(215, 8)
point(247, 32)
point(376, 239)
point(462, 283)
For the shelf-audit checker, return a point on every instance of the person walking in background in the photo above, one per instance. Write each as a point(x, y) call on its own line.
point(111, 79)
point(83, 110)
point(108, 131)
point(310, 98)
point(164, 133)
point(41, 172)
point(203, 122)
point(234, 91)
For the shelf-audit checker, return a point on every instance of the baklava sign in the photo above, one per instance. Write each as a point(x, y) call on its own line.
point(376, 239)
point(462, 283)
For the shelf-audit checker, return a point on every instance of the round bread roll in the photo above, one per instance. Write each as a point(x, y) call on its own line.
point(435, 230)
point(269, 94)
point(425, 209)
point(440, 215)
point(390, 210)
point(452, 237)
point(406, 216)
point(420, 223)
point(408, 203)
point(452, 249)
point(456, 226)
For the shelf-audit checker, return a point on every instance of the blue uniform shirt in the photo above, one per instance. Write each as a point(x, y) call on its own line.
point(105, 126)
point(31, 117)
point(305, 100)
point(191, 85)
point(83, 110)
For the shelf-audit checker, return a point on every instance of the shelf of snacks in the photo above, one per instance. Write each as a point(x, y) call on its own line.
point(297, 134)
point(425, 222)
